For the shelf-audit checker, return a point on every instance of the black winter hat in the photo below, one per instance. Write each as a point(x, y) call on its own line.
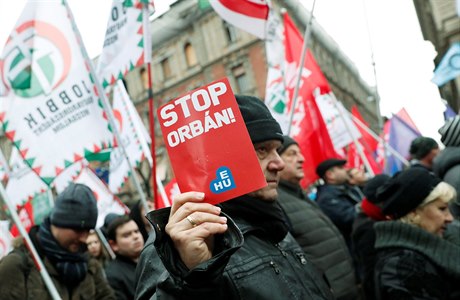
point(450, 132)
point(288, 141)
point(327, 164)
point(259, 121)
point(371, 186)
point(75, 208)
point(421, 146)
point(405, 191)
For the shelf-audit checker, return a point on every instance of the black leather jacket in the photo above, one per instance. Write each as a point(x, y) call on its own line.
point(244, 267)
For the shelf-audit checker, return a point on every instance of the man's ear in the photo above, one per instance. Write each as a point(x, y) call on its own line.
point(113, 245)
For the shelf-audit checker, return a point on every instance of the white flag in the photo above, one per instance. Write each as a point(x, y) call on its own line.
point(5, 238)
point(106, 201)
point(51, 110)
point(338, 131)
point(129, 126)
point(124, 43)
point(4, 167)
point(23, 184)
point(276, 97)
point(69, 175)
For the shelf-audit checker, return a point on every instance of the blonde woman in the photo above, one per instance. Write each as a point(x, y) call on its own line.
point(414, 261)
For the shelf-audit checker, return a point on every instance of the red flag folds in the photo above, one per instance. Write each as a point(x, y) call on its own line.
point(308, 127)
point(248, 15)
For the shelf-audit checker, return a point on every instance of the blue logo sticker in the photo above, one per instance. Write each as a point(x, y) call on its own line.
point(224, 181)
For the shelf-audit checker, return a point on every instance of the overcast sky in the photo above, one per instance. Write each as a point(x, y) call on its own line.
point(404, 61)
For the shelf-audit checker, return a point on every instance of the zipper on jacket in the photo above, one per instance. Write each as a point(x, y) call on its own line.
point(281, 250)
point(275, 267)
point(302, 258)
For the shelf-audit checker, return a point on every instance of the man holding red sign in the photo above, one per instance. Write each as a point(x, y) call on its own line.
point(240, 248)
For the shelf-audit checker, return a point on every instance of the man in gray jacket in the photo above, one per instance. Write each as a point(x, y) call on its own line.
point(321, 241)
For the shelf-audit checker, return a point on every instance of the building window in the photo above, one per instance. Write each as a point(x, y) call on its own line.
point(232, 34)
point(190, 55)
point(241, 79)
point(144, 78)
point(166, 68)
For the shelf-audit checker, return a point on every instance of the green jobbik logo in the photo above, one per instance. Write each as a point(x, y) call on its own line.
point(37, 59)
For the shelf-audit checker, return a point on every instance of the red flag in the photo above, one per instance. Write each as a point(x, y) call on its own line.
point(354, 159)
point(385, 135)
point(404, 115)
point(26, 215)
point(368, 141)
point(308, 127)
point(248, 15)
point(171, 190)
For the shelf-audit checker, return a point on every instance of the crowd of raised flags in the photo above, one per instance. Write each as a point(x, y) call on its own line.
point(52, 105)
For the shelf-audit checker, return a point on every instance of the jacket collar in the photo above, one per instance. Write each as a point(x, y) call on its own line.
point(441, 252)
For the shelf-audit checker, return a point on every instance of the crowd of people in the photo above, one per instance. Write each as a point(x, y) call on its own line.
point(385, 237)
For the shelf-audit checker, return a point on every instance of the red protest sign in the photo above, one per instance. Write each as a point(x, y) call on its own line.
point(208, 144)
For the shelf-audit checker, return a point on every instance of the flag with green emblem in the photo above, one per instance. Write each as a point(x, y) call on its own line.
point(50, 110)
point(125, 41)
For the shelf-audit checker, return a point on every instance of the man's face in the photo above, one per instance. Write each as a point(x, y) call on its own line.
point(128, 241)
point(357, 177)
point(293, 160)
point(271, 164)
point(429, 158)
point(70, 239)
point(337, 175)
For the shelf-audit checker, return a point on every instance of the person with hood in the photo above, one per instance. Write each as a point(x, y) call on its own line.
point(61, 243)
point(414, 260)
point(447, 164)
point(321, 241)
point(240, 249)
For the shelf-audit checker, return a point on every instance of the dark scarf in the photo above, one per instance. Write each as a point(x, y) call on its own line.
point(267, 216)
point(72, 267)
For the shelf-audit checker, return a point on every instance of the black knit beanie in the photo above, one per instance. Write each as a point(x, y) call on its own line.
point(421, 146)
point(405, 191)
point(288, 141)
point(372, 185)
point(259, 121)
point(450, 132)
point(75, 208)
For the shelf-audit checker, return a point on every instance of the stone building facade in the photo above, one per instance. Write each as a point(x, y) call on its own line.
point(440, 24)
point(193, 47)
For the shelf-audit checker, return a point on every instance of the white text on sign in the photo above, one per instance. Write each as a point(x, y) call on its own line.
point(200, 101)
